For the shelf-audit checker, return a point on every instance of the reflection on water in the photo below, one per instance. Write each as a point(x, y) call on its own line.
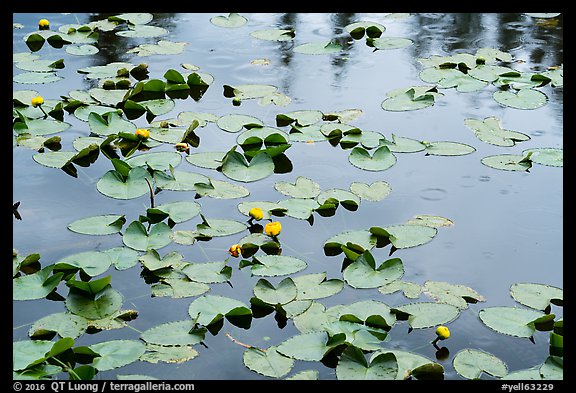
point(497, 239)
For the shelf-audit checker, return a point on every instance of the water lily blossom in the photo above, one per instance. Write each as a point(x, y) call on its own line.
point(142, 133)
point(235, 250)
point(37, 101)
point(43, 24)
point(442, 333)
point(256, 213)
point(273, 228)
point(182, 146)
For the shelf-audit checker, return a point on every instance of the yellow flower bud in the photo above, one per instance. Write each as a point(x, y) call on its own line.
point(38, 100)
point(273, 228)
point(142, 133)
point(43, 24)
point(256, 213)
point(181, 146)
point(442, 332)
point(235, 250)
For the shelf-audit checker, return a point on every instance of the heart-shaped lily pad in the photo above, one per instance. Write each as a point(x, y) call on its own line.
point(380, 160)
point(236, 167)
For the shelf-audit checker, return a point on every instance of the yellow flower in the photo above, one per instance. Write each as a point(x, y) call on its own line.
point(43, 24)
point(181, 146)
point(273, 228)
point(256, 213)
point(38, 100)
point(442, 332)
point(142, 133)
point(235, 250)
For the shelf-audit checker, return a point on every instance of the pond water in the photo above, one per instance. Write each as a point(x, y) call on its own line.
point(508, 225)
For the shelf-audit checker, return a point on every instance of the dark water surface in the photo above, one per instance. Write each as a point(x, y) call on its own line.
point(508, 225)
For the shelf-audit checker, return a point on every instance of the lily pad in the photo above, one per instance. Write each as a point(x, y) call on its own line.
point(300, 118)
point(236, 167)
point(267, 208)
point(35, 286)
point(64, 324)
point(274, 34)
point(308, 346)
point(316, 286)
point(179, 180)
point(490, 131)
point(410, 98)
point(114, 185)
point(318, 48)
point(93, 263)
point(163, 47)
point(276, 265)
point(208, 272)
point(353, 365)
point(457, 295)
point(214, 227)
point(236, 122)
point(173, 354)
point(300, 208)
point(105, 303)
point(406, 236)
point(523, 99)
point(401, 144)
point(98, 225)
point(548, 156)
point(267, 362)
point(380, 160)
point(450, 77)
point(232, 20)
point(137, 237)
point(537, 296)
point(426, 314)
point(284, 293)
point(389, 43)
point(209, 309)
point(220, 189)
point(117, 353)
point(122, 257)
point(173, 333)
point(513, 321)
point(446, 148)
point(208, 160)
point(178, 212)
point(360, 28)
point(508, 162)
point(372, 192)
point(472, 363)
point(410, 289)
point(361, 238)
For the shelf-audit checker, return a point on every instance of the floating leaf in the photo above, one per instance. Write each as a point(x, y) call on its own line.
point(363, 273)
point(173, 354)
point(246, 92)
point(490, 131)
point(388, 43)
point(109, 70)
point(300, 208)
point(221, 189)
point(553, 368)
point(318, 48)
point(163, 47)
point(315, 286)
point(353, 365)
point(276, 265)
point(450, 77)
point(137, 237)
point(267, 362)
point(153, 261)
point(122, 257)
point(236, 167)
point(406, 236)
point(548, 156)
point(104, 304)
point(219, 227)
point(179, 180)
point(93, 263)
point(142, 31)
point(513, 321)
point(114, 185)
point(404, 145)
point(362, 238)
point(117, 353)
point(44, 126)
point(430, 221)
point(209, 309)
point(268, 208)
point(457, 295)
point(537, 296)
point(236, 122)
point(35, 286)
point(98, 225)
point(300, 118)
point(274, 34)
point(209, 160)
point(445, 148)
point(507, 162)
point(64, 324)
point(359, 28)
point(382, 158)
point(173, 333)
point(308, 346)
point(427, 314)
point(208, 272)
point(373, 192)
point(523, 99)
point(36, 78)
point(410, 289)
point(29, 352)
point(407, 361)
point(232, 20)
point(472, 363)
point(179, 211)
point(410, 98)
point(347, 199)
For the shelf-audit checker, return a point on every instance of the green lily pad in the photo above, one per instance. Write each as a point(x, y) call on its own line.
point(427, 314)
point(406, 236)
point(117, 353)
point(374, 192)
point(208, 272)
point(537, 296)
point(553, 368)
point(523, 99)
point(363, 273)
point(389, 43)
point(316, 286)
point(300, 208)
point(218, 227)
point(64, 324)
point(308, 346)
point(284, 293)
point(173, 333)
point(347, 199)
point(232, 20)
point(220, 189)
point(362, 238)
point(548, 156)
point(53, 159)
point(490, 131)
point(106, 303)
point(246, 92)
point(407, 361)
point(36, 77)
point(163, 47)
point(179, 180)
point(380, 160)
point(410, 98)
point(513, 321)
point(276, 265)
point(450, 77)
point(98, 225)
point(267, 362)
point(82, 50)
point(44, 126)
point(208, 160)
point(507, 162)
point(236, 122)
point(472, 363)
point(401, 144)
point(353, 365)
point(430, 221)
point(360, 28)
point(93, 263)
point(153, 261)
point(109, 70)
point(318, 48)
point(236, 167)
point(209, 309)
point(300, 118)
point(179, 211)
point(114, 185)
point(142, 31)
point(174, 354)
point(446, 148)
point(30, 352)
point(488, 72)
point(410, 289)
point(457, 295)
point(307, 134)
point(35, 286)
point(274, 34)
point(122, 257)
point(137, 237)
